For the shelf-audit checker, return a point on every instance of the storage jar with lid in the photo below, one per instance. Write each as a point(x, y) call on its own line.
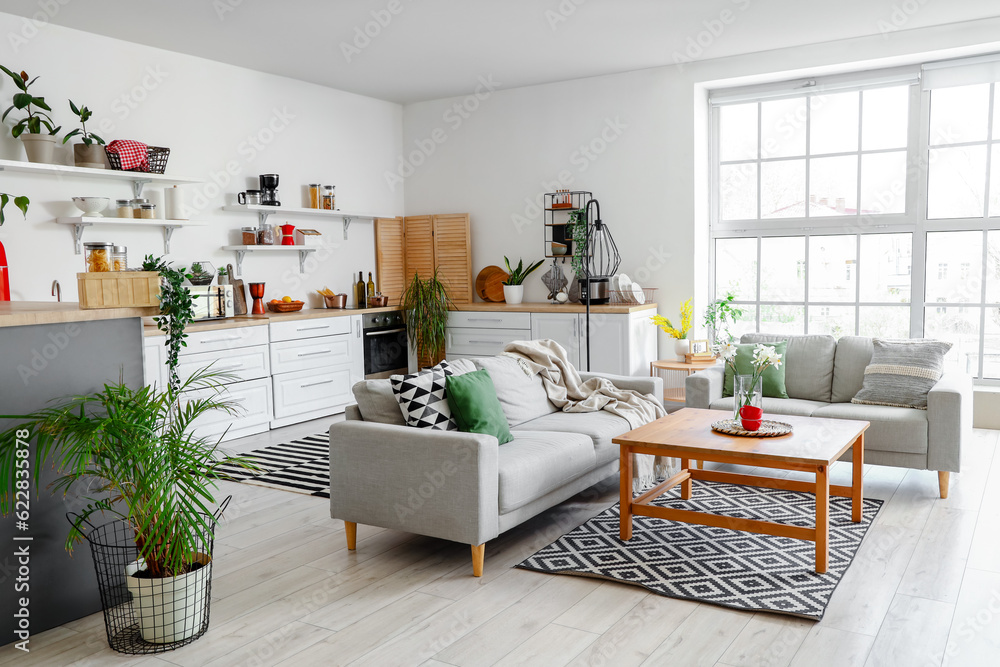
point(314, 195)
point(249, 235)
point(328, 199)
point(136, 204)
point(265, 235)
point(98, 256)
point(123, 208)
point(119, 258)
point(147, 211)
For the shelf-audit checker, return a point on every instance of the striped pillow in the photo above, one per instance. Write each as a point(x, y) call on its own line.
point(901, 372)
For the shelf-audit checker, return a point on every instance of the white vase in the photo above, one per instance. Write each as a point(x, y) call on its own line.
point(513, 294)
point(681, 347)
point(39, 147)
point(172, 608)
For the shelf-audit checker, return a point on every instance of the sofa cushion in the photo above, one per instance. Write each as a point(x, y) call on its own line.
point(522, 396)
point(421, 396)
point(377, 403)
point(854, 353)
point(775, 406)
point(773, 379)
point(892, 429)
point(537, 462)
point(901, 372)
point(599, 426)
point(474, 405)
point(808, 363)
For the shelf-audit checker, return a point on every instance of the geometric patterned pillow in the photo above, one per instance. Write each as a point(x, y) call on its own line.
point(422, 399)
point(901, 372)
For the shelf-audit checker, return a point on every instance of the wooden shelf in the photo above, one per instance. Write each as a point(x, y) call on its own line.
point(136, 178)
point(242, 250)
point(80, 223)
point(263, 211)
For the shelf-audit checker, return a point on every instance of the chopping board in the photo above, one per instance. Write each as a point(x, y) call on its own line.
point(239, 296)
point(489, 283)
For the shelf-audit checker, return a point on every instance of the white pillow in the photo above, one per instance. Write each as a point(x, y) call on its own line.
point(421, 396)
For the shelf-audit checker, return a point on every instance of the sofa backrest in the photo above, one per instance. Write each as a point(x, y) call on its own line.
point(522, 397)
point(854, 353)
point(808, 363)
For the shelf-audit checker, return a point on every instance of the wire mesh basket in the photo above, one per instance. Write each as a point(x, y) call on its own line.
point(145, 615)
point(627, 298)
point(155, 155)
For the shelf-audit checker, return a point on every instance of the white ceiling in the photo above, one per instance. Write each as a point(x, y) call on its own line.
point(438, 48)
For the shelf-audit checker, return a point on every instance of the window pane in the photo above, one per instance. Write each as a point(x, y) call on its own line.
point(834, 320)
point(832, 268)
point(747, 322)
point(995, 179)
point(884, 116)
point(738, 132)
point(884, 321)
point(883, 183)
point(959, 114)
point(736, 268)
point(833, 186)
point(783, 189)
point(991, 347)
point(955, 182)
point(738, 191)
point(993, 268)
point(834, 124)
point(954, 267)
point(783, 269)
point(783, 128)
point(885, 267)
point(782, 319)
point(959, 326)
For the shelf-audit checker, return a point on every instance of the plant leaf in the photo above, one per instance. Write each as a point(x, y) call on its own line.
point(73, 107)
point(22, 203)
point(40, 102)
point(22, 100)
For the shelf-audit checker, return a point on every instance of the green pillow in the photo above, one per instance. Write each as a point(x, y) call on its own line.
point(475, 406)
point(773, 378)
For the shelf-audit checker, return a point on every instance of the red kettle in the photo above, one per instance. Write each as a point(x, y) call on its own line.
point(4, 276)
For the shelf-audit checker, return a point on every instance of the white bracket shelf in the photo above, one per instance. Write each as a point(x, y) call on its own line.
point(263, 212)
point(169, 226)
point(242, 250)
point(137, 178)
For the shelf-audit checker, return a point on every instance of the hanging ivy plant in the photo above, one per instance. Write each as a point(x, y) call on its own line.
point(578, 226)
point(176, 311)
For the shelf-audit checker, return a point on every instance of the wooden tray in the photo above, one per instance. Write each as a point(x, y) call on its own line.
point(489, 283)
point(768, 428)
point(283, 307)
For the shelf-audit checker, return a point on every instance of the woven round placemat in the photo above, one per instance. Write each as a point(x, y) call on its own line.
point(768, 428)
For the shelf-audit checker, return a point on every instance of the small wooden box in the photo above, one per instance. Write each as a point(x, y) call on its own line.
point(119, 289)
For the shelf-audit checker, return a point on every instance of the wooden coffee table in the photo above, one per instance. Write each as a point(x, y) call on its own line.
point(813, 446)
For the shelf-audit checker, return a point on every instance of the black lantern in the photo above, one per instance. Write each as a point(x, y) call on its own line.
point(600, 262)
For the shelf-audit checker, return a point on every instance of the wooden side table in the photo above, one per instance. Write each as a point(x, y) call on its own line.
point(674, 373)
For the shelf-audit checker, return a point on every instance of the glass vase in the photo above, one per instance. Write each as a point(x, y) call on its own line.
point(747, 393)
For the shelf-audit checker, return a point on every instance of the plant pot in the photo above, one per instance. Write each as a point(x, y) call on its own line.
point(513, 294)
point(223, 280)
point(170, 609)
point(681, 347)
point(39, 147)
point(89, 156)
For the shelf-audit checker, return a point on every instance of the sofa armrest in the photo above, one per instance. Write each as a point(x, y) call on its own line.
point(949, 421)
point(643, 385)
point(436, 483)
point(703, 387)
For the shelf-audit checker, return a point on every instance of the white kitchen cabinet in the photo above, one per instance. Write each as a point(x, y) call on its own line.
point(310, 394)
point(242, 363)
point(154, 361)
point(253, 401)
point(563, 328)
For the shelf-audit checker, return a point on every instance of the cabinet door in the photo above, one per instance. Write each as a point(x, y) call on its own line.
point(453, 255)
point(563, 328)
point(390, 262)
point(317, 389)
point(357, 351)
point(481, 342)
point(609, 343)
point(154, 361)
point(419, 242)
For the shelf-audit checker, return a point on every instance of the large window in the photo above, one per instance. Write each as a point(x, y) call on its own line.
point(865, 207)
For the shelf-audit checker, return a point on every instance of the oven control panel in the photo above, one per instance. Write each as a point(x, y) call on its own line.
point(382, 320)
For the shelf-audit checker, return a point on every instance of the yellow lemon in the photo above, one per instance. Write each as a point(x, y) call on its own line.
point(286, 299)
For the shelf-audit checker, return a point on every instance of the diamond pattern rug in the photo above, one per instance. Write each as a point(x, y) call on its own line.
point(302, 466)
point(730, 568)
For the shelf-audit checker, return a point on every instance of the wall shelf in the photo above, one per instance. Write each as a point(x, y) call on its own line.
point(263, 211)
point(80, 223)
point(136, 178)
point(242, 250)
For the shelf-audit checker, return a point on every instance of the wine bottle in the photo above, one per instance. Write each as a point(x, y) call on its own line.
point(371, 288)
point(360, 292)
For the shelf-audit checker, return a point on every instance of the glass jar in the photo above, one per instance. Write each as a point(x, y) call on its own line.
point(314, 195)
point(249, 235)
point(328, 198)
point(119, 258)
point(147, 211)
point(136, 204)
point(98, 256)
point(265, 235)
point(123, 208)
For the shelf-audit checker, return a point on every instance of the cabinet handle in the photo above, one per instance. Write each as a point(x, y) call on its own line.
point(574, 327)
point(484, 319)
point(313, 384)
point(220, 340)
point(240, 399)
point(357, 327)
point(487, 342)
point(310, 354)
point(325, 326)
point(230, 367)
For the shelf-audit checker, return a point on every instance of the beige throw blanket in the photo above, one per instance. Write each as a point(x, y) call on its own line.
point(567, 391)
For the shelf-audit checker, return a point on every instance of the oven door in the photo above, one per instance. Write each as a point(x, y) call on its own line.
point(385, 352)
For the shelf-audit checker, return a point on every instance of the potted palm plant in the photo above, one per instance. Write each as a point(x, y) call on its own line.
point(91, 152)
point(425, 309)
point(513, 287)
point(38, 146)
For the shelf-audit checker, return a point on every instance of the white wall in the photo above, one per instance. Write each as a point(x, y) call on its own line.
point(651, 180)
point(206, 113)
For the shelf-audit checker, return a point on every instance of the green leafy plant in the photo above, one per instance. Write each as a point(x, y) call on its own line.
point(578, 226)
point(222, 271)
point(425, 309)
point(84, 114)
point(136, 454)
point(719, 316)
point(24, 101)
point(176, 310)
point(20, 202)
point(518, 275)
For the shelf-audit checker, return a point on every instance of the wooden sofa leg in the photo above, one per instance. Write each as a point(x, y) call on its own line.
point(351, 528)
point(478, 557)
point(943, 478)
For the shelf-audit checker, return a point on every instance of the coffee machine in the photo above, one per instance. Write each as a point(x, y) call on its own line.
point(269, 190)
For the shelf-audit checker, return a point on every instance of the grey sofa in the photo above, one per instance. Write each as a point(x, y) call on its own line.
point(464, 486)
point(823, 374)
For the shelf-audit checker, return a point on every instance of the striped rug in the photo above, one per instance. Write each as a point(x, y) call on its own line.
point(301, 466)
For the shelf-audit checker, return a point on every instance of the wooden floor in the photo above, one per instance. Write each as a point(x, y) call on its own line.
point(924, 589)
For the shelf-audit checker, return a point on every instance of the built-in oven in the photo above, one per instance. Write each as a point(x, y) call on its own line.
point(384, 336)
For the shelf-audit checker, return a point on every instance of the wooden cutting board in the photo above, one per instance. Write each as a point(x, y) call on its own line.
point(494, 286)
point(239, 296)
point(481, 280)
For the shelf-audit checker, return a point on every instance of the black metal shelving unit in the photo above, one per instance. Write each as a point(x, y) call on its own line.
point(556, 220)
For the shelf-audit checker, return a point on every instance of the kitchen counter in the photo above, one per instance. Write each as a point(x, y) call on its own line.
point(26, 313)
point(267, 318)
point(548, 307)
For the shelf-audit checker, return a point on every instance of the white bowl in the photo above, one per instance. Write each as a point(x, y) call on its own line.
point(91, 205)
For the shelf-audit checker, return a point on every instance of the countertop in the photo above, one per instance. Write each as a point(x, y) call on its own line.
point(26, 313)
point(548, 307)
point(267, 318)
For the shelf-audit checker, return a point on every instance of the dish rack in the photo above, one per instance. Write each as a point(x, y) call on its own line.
point(155, 155)
point(623, 297)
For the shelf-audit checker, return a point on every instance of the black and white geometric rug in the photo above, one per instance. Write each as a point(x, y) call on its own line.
point(302, 466)
point(730, 568)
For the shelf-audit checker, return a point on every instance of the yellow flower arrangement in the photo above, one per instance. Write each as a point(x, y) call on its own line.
point(687, 319)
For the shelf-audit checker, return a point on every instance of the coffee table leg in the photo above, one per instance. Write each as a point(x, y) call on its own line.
point(822, 517)
point(857, 481)
point(625, 485)
point(686, 484)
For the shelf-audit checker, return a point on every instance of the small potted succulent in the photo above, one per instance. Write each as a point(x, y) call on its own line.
point(201, 273)
point(513, 287)
point(91, 152)
point(223, 276)
point(38, 146)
